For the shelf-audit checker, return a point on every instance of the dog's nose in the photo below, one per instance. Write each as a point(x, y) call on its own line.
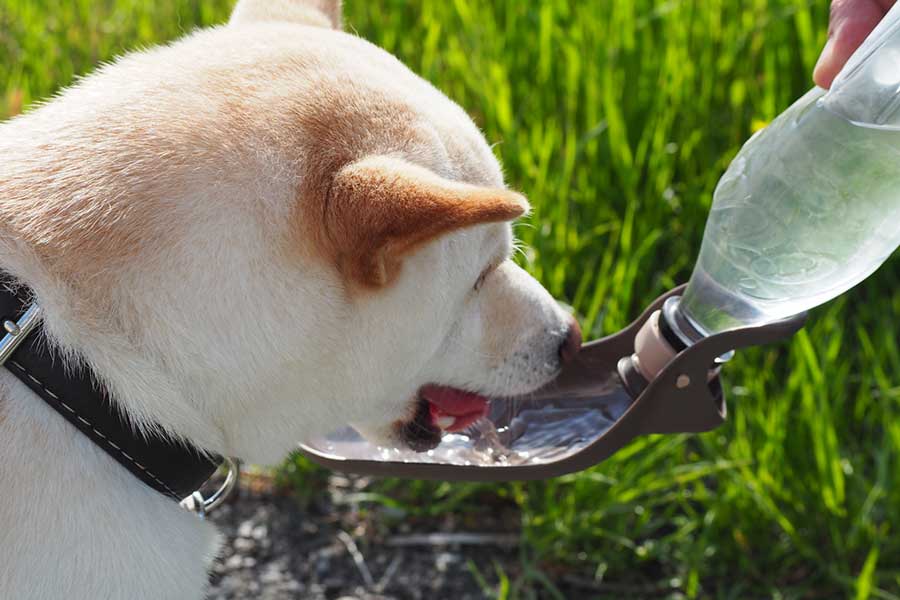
point(572, 344)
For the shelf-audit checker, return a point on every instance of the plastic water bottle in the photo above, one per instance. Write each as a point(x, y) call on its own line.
point(811, 204)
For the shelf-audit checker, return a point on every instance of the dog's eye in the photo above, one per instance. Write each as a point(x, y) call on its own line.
point(480, 281)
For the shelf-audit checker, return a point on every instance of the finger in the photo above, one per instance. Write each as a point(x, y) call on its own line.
point(851, 22)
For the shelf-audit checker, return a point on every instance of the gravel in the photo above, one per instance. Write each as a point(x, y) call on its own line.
point(277, 549)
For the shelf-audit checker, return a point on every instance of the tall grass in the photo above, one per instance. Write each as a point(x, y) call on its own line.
point(616, 118)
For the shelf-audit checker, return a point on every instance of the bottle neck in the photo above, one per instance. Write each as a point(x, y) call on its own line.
point(676, 327)
point(666, 333)
point(680, 330)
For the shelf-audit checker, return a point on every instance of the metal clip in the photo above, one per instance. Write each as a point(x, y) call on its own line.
point(196, 503)
point(17, 331)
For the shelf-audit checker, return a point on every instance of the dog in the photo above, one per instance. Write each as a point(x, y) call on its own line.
point(263, 231)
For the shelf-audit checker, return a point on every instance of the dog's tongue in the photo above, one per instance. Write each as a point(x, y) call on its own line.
point(454, 409)
point(453, 402)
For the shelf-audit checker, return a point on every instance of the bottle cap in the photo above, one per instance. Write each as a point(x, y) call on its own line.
point(651, 350)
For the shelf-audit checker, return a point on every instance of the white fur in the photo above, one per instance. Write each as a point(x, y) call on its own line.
point(75, 524)
point(212, 330)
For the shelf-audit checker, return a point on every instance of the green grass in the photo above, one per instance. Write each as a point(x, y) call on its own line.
point(616, 118)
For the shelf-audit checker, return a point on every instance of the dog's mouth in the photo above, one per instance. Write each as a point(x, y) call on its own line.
point(440, 409)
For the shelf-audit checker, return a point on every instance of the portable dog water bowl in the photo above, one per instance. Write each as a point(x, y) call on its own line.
point(598, 404)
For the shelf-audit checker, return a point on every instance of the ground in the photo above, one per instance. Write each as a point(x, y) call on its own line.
point(276, 549)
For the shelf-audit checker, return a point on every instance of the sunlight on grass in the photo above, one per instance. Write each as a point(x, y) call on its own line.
point(616, 118)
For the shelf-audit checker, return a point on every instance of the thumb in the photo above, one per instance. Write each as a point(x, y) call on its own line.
point(851, 22)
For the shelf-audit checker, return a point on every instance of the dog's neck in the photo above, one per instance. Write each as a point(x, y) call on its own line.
point(69, 512)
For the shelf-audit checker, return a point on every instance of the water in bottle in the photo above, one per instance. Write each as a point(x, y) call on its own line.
point(811, 204)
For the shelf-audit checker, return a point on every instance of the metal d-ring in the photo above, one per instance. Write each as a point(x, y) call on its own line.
point(196, 503)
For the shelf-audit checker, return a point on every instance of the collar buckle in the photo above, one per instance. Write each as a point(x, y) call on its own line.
point(17, 331)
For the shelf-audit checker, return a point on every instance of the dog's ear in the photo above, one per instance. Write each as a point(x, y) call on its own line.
point(379, 209)
point(324, 13)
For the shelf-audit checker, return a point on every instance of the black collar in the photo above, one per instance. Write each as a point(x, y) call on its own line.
point(169, 467)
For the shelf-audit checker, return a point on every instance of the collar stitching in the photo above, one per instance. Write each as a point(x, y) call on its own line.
point(87, 423)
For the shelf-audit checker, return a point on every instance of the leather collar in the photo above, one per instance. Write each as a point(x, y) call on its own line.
point(171, 467)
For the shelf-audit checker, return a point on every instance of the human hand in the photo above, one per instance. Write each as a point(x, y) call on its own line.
point(851, 21)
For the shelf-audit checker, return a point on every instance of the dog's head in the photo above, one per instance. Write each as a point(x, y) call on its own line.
point(285, 231)
point(441, 314)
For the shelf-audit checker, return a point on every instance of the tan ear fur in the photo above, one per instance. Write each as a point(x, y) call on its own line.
point(379, 209)
point(321, 13)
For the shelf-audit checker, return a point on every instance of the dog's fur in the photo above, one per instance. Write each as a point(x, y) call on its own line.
point(252, 235)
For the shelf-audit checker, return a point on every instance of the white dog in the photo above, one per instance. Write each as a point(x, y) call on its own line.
point(260, 232)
